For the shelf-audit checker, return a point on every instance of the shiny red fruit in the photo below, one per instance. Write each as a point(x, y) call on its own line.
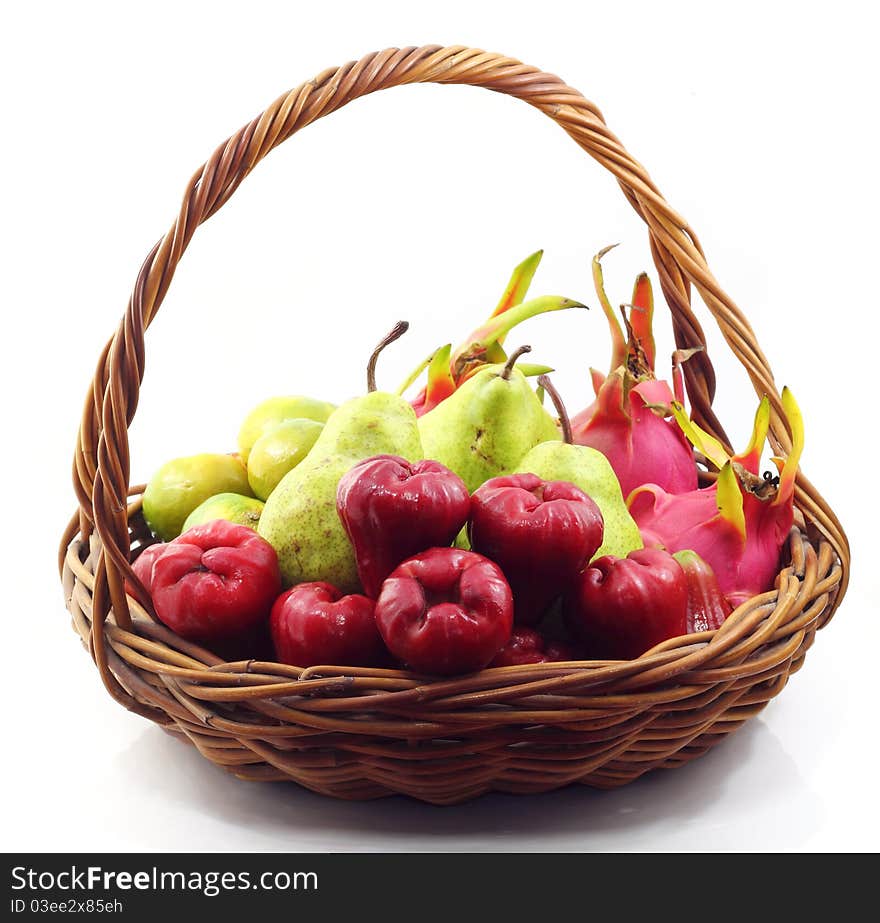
point(445, 611)
point(621, 607)
point(392, 509)
point(143, 566)
point(707, 605)
point(313, 623)
point(526, 645)
point(216, 581)
point(541, 534)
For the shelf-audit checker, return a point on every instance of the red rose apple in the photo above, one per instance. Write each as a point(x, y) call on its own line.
point(216, 581)
point(527, 645)
point(445, 611)
point(313, 623)
point(621, 607)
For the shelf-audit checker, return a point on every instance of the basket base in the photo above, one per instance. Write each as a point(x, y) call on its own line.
point(357, 782)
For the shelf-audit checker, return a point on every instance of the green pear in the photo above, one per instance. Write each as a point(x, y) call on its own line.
point(267, 415)
point(300, 519)
point(181, 484)
point(589, 469)
point(485, 427)
point(278, 451)
point(244, 511)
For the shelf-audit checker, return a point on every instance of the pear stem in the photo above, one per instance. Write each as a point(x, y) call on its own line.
point(556, 397)
point(508, 368)
point(399, 330)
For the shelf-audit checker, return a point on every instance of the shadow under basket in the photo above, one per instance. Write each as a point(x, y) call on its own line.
point(366, 733)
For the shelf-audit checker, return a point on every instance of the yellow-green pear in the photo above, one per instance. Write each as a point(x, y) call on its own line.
point(487, 425)
point(275, 410)
point(278, 451)
point(244, 511)
point(181, 484)
point(589, 469)
point(300, 519)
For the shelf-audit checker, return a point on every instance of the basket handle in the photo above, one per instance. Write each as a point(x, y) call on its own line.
point(101, 463)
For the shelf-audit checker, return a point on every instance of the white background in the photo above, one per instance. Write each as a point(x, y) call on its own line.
point(759, 125)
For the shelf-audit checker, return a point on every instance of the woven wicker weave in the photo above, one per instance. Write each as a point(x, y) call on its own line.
point(365, 733)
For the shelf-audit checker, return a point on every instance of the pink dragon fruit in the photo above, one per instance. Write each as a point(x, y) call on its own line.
point(448, 369)
point(631, 421)
point(739, 523)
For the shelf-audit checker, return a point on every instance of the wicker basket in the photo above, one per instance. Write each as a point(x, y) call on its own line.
point(366, 733)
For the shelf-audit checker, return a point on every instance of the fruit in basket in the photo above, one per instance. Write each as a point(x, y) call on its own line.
point(278, 451)
point(540, 533)
point(268, 414)
point(487, 425)
point(313, 623)
point(392, 509)
point(739, 523)
point(245, 511)
point(143, 566)
point(440, 383)
point(448, 369)
point(589, 470)
point(707, 605)
point(621, 607)
point(215, 582)
point(445, 611)
point(181, 484)
point(300, 519)
point(631, 420)
point(526, 645)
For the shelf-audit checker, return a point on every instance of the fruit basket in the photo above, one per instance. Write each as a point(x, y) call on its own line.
point(360, 733)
